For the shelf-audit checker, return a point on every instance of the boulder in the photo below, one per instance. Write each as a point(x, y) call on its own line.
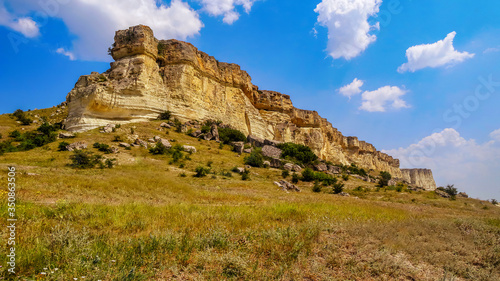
point(345, 194)
point(165, 125)
point(322, 167)
point(76, 146)
point(267, 164)
point(286, 186)
point(151, 140)
point(238, 146)
point(108, 128)
point(271, 151)
point(66, 135)
point(215, 132)
point(124, 144)
point(114, 149)
point(240, 170)
point(255, 141)
point(166, 143)
point(442, 193)
point(208, 136)
point(196, 133)
point(288, 166)
point(334, 169)
point(297, 168)
point(247, 150)
point(141, 143)
point(188, 148)
point(462, 195)
point(276, 163)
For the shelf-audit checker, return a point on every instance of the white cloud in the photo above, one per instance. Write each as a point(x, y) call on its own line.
point(352, 89)
point(491, 50)
point(472, 167)
point(383, 98)
point(348, 27)
point(23, 25)
point(69, 54)
point(226, 8)
point(441, 53)
point(495, 135)
point(94, 22)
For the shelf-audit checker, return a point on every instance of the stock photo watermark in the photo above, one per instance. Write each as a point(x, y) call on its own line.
point(11, 220)
point(455, 116)
point(47, 9)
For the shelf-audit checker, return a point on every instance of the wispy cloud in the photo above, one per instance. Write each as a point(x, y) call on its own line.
point(69, 54)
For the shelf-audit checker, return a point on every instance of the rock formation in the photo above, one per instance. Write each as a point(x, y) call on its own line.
point(150, 76)
point(420, 178)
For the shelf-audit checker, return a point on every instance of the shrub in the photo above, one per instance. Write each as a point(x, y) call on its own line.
point(399, 187)
point(201, 171)
point(308, 175)
point(109, 163)
point(16, 135)
point(285, 174)
point(299, 152)
point(205, 129)
point(209, 163)
point(165, 115)
point(255, 159)
point(295, 178)
point(158, 149)
point(84, 159)
point(316, 187)
point(62, 146)
point(103, 147)
point(337, 188)
point(245, 175)
point(117, 139)
point(20, 116)
point(182, 175)
point(494, 202)
point(452, 191)
point(228, 135)
point(221, 145)
point(384, 179)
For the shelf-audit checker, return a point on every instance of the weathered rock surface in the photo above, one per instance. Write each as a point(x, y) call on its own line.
point(420, 178)
point(150, 76)
point(271, 151)
point(286, 186)
point(76, 146)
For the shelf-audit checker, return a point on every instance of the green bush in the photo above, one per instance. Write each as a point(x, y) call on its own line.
point(295, 178)
point(201, 171)
point(117, 139)
point(16, 135)
point(245, 175)
point(176, 155)
point(285, 174)
point(337, 188)
point(84, 159)
point(255, 159)
point(452, 191)
point(165, 115)
point(228, 135)
point(384, 179)
point(205, 129)
point(345, 177)
point(20, 116)
point(298, 152)
point(353, 169)
point(158, 149)
point(62, 146)
point(316, 187)
point(308, 175)
point(103, 147)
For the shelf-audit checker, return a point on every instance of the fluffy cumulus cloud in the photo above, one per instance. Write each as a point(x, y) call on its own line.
point(23, 25)
point(382, 99)
point(348, 27)
point(473, 167)
point(352, 89)
point(226, 8)
point(441, 53)
point(94, 22)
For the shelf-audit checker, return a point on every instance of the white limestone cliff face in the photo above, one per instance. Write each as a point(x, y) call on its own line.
point(420, 178)
point(150, 76)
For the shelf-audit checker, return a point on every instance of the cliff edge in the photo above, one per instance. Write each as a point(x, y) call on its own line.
point(150, 76)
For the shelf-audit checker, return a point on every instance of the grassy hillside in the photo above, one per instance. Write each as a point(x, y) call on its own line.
point(150, 219)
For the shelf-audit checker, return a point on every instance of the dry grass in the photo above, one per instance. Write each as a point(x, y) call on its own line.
point(142, 221)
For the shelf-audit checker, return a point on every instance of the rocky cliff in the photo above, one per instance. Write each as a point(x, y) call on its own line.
point(420, 178)
point(150, 76)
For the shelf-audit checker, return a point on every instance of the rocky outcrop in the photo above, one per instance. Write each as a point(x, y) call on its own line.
point(420, 178)
point(150, 76)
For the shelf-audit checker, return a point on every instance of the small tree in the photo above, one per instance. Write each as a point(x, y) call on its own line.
point(494, 202)
point(384, 179)
point(62, 146)
point(201, 171)
point(308, 175)
point(337, 188)
point(255, 159)
point(158, 149)
point(452, 191)
point(295, 178)
point(245, 175)
point(316, 187)
point(84, 159)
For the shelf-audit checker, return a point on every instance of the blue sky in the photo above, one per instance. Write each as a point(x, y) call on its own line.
point(428, 113)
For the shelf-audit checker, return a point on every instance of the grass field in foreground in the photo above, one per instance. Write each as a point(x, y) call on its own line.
point(142, 220)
